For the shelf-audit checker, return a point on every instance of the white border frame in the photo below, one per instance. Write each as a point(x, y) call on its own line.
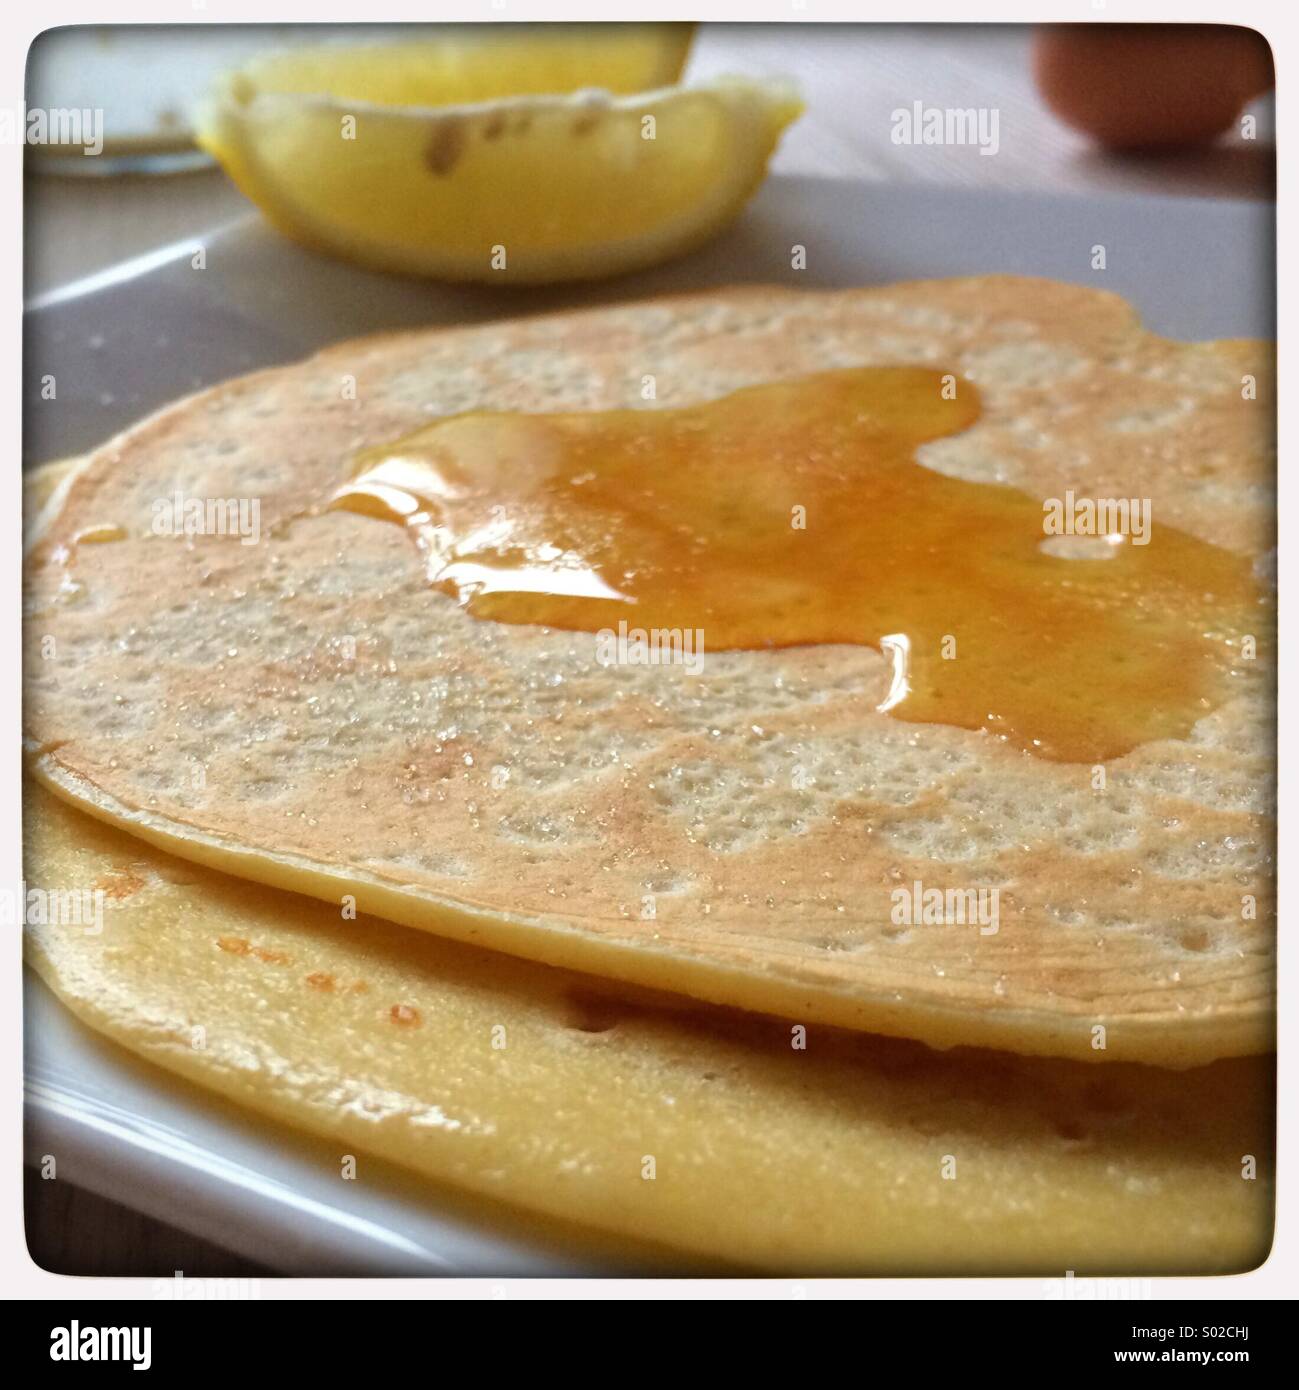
point(20, 1277)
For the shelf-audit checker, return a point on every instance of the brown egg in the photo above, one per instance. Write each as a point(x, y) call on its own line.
point(1135, 86)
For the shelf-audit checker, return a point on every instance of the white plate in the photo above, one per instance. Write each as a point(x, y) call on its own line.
point(129, 340)
point(131, 1132)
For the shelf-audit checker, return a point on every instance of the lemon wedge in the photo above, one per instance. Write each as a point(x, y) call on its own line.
point(480, 64)
point(527, 188)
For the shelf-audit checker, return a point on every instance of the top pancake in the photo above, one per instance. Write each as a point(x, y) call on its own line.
point(203, 693)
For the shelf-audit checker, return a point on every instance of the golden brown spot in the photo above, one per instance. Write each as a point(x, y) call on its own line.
point(121, 883)
point(445, 145)
point(241, 946)
point(586, 122)
point(428, 763)
point(404, 1015)
point(322, 980)
point(494, 127)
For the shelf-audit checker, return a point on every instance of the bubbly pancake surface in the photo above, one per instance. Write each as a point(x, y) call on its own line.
point(309, 712)
point(533, 1087)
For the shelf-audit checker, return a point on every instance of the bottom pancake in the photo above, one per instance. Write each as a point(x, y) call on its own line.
point(647, 1116)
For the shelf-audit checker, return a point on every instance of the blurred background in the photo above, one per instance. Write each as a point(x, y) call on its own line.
point(154, 187)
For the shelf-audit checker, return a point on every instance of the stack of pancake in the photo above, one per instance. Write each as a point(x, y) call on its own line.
point(620, 945)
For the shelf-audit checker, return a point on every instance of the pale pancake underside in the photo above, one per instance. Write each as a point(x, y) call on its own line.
point(495, 783)
point(853, 1155)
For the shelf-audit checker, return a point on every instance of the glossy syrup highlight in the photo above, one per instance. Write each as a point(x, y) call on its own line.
point(796, 513)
